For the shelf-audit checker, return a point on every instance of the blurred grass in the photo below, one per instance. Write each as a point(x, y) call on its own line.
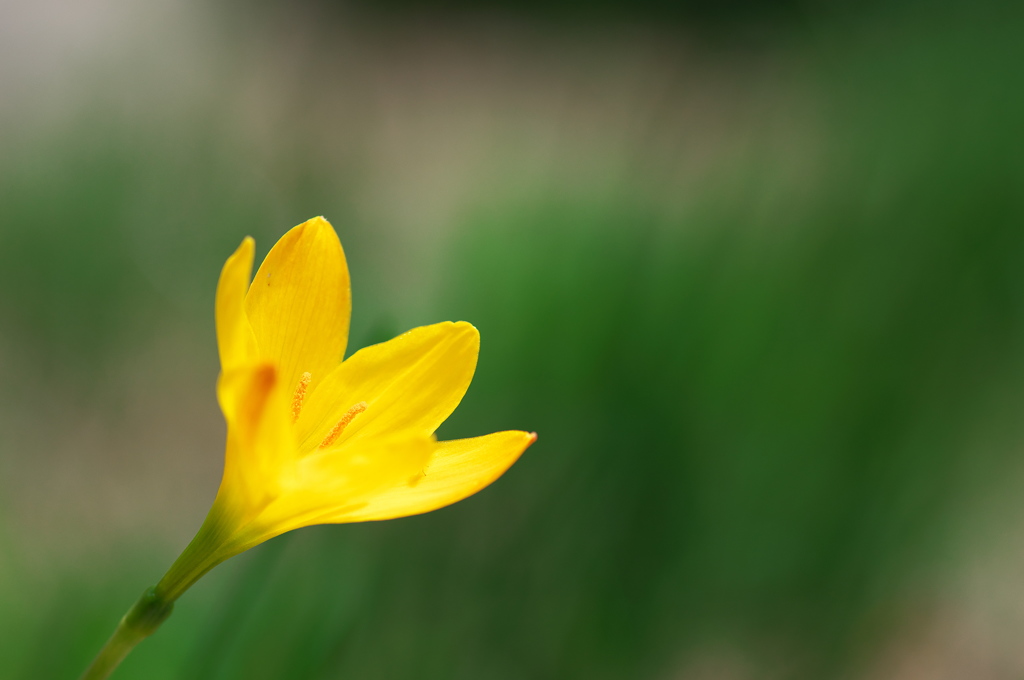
point(758, 405)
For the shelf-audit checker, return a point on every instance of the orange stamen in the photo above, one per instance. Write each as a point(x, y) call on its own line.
point(336, 431)
point(300, 395)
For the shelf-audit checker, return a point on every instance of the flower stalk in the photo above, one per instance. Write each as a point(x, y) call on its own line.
point(141, 621)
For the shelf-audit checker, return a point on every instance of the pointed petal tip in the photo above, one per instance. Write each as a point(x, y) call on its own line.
point(311, 228)
point(247, 251)
point(318, 223)
point(469, 331)
point(465, 327)
point(244, 251)
point(454, 329)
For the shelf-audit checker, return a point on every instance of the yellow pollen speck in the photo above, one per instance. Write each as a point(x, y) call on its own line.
point(336, 431)
point(300, 395)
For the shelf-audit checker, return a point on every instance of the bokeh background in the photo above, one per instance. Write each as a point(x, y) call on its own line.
point(753, 270)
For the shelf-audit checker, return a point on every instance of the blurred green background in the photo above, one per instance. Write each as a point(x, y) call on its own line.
point(754, 272)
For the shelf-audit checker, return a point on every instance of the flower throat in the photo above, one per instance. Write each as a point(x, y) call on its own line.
point(332, 435)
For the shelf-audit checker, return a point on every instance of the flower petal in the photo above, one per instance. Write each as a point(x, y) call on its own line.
point(300, 302)
point(235, 340)
point(333, 483)
point(260, 440)
point(412, 382)
point(458, 469)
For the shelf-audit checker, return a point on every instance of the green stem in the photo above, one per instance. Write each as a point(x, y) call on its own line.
point(140, 622)
point(203, 553)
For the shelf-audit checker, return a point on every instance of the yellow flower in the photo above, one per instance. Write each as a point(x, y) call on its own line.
point(313, 439)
